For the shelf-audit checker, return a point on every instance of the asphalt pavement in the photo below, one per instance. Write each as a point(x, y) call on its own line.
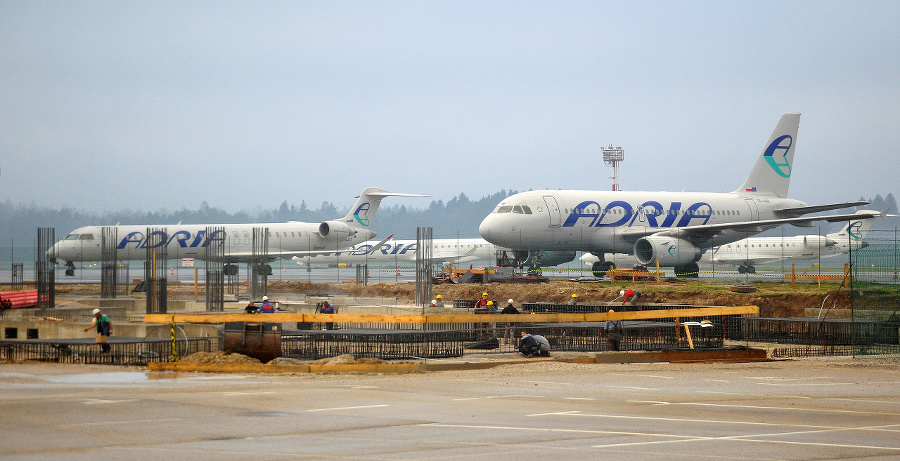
point(832, 408)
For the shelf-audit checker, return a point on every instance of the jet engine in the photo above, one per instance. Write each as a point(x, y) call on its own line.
point(335, 230)
point(670, 251)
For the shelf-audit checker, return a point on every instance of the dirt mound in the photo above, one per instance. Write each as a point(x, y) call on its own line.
point(346, 359)
point(219, 357)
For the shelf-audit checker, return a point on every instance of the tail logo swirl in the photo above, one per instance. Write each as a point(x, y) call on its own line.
point(776, 155)
point(361, 214)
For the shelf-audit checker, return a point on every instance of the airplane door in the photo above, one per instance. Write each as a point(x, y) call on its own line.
point(754, 211)
point(553, 209)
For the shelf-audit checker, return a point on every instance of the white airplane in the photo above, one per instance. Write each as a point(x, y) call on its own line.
point(285, 240)
point(763, 250)
point(455, 251)
point(669, 227)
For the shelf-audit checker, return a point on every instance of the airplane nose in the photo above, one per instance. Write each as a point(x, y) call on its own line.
point(489, 229)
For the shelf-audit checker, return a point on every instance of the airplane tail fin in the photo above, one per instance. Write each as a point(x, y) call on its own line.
point(771, 175)
point(363, 211)
point(855, 230)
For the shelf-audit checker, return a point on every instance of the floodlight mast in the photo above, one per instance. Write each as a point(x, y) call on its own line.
point(612, 156)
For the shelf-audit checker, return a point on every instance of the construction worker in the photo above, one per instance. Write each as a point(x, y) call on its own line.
point(482, 302)
point(614, 331)
point(267, 307)
point(573, 302)
point(629, 296)
point(438, 301)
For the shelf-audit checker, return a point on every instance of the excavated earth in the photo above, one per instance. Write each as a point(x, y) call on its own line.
point(774, 299)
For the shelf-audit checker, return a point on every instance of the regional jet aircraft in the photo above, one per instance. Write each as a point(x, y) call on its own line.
point(284, 240)
point(668, 227)
point(455, 251)
point(763, 250)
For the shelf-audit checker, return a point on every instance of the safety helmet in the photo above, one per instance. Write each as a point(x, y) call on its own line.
point(574, 295)
point(96, 311)
point(433, 301)
point(265, 298)
point(622, 293)
point(484, 294)
point(490, 303)
point(439, 296)
point(510, 301)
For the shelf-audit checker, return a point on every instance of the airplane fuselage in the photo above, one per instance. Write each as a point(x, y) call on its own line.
point(608, 221)
point(193, 241)
point(393, 251)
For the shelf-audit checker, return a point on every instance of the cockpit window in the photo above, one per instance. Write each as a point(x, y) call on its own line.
point(505, 209)
point(527, 210)
point(518, 209)
point(72, 237)
point(86, 237)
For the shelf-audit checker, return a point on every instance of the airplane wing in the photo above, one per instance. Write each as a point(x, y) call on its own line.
point(705, 232)
point(800, 211)
point(380, 244)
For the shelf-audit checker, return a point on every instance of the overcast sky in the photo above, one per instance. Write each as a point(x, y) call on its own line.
point(164, 105)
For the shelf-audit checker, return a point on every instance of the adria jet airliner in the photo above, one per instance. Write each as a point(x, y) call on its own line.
point(456, 251)
point(669, 227)
point(285, 240)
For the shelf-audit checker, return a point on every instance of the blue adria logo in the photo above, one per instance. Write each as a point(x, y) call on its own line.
point(672, 251)
point(776, 155)
point(853, 230)
point(361, 214)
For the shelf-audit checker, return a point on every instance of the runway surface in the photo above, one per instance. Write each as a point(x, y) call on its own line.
point(804, 409)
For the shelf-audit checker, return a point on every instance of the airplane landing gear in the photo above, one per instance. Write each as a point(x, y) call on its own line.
point(70, 269)
point(600, 268)
point(746, 269)
point(691, 270)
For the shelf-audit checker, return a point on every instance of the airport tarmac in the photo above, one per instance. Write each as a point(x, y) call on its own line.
point(830, 408)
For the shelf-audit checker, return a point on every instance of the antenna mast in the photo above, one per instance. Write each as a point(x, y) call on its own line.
point(612, 156)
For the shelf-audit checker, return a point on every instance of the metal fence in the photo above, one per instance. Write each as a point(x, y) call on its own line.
point(875, 295)
point(123, 351)
point(383, 344)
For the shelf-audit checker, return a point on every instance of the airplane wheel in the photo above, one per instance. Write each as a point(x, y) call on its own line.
point(600, 268)
point(741, 269)
point(751, 269)
point(687, 270)
point(70, 272)
point(693, 270)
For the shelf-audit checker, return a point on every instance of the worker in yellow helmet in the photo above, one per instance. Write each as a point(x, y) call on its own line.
point(573, 302)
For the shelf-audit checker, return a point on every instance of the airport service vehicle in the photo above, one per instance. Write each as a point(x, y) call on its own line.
point(284, 240)
point(670, 228)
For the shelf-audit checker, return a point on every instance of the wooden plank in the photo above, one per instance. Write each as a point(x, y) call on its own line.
point(451, 318)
